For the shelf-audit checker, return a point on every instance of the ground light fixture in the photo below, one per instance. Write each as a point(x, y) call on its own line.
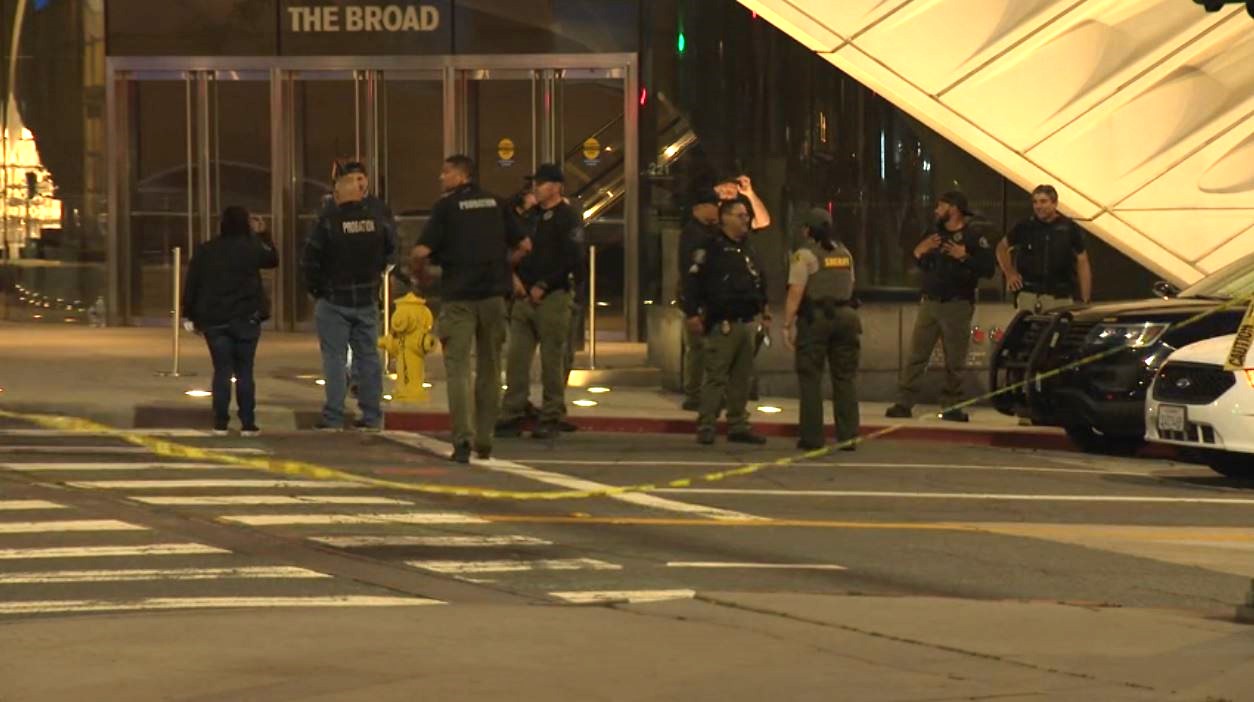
point(598, 390)
point(320, 381)
point(585, 403)
point(769, 409)
point(198, 393)
point(388, 398)
point(427, 385)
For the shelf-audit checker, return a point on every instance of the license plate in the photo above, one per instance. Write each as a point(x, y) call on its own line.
point(1171, 418)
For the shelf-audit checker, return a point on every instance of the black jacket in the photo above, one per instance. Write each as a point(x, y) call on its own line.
point(470, 234)
point(555, 255)
point(224, 281)
point(347, 253)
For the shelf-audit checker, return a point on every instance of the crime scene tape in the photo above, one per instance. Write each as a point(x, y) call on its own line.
point(305, 469)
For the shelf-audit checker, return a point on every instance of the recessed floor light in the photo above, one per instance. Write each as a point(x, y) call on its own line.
point(768, 409)
point(585, 403)
point(598, 390)
point(198, 393)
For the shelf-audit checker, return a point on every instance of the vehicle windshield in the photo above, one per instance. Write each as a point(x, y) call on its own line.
point(1234, 280)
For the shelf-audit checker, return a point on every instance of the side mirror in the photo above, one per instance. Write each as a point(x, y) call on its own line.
point(1164, 289)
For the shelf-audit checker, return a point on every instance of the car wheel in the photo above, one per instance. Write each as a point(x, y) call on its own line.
point(1090, 440)
point(1231, 465)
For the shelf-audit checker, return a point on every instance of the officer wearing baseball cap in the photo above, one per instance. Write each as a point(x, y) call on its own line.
point(953, 257)
point(821, 324)
point(542, 317)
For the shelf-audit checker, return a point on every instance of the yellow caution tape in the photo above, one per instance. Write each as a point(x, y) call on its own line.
point(305, 469)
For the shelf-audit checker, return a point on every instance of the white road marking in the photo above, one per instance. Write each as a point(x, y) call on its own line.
point(567, 482)
point(63, 526)
point(429, 541)
point(16, 505)
point(207, 500)
point(147, 465)
point(119, 576)
point(163, 603)
point(114, 450)
point(1135, 499)
point(137, 432)
point(106, 551)
point(755, 566)
point(458, 567)
point(663, 463)
point(623, 596)
point(371, 518)
point(227, 483)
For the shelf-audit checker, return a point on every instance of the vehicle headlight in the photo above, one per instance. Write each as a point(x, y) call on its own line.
point(1134, 336)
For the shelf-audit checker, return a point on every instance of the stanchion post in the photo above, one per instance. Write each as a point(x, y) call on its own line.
point(176, 323)
point(387, 314)
point(592, 307)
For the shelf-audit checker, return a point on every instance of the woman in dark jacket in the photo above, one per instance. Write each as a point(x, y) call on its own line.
point(225, 301)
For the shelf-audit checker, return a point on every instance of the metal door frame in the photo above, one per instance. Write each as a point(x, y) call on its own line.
point(280, 68)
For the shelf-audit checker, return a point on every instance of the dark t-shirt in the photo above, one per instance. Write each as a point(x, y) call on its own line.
point(470, 234)
point(1044, 254)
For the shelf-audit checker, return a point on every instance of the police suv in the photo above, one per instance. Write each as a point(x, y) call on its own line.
point(1088, 369)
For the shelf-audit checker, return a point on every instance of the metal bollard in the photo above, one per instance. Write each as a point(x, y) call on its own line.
point(177, 265)
point(387, 314)
point(592, 307)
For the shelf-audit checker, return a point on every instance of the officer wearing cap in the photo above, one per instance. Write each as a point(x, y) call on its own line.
point(699, 230)
point(827, 331)
point(472, 235)
point(724, 296)
point(343, 263)
point(953, 257)
point(543, 317)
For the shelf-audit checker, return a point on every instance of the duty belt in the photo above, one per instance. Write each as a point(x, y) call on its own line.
point(828, 305)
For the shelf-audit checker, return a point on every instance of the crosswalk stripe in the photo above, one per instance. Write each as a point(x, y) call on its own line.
point(136, 575)
point(751, 566)
point(206, 500)
point(455, 567)
point(114, 450)
point(64, 526)
point(164, 603)
point(370, 518)
point(431, 541)
point(16, 505)
point(225, 483)
point(25, 467)
point(623, 596)
point(105, 551)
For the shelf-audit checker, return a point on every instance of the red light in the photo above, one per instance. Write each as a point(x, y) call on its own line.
point(978, 335)
point(644, 96)
point(998, 334)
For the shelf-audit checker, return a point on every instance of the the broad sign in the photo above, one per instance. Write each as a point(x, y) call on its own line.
point(357, 27)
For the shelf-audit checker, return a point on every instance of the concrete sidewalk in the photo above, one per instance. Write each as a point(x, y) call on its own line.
point(111, 375)
point(720, 646)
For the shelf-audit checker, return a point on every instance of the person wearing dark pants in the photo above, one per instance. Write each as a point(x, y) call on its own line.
point(827, 332)
point(953, 258)
point(696, 233)
point(344, 261)
point(224, 300)
point(724, 299)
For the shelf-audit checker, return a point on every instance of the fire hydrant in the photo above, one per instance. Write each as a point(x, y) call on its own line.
point(409, 341)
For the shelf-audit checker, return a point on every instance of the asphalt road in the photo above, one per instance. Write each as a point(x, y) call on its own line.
point(95, 525)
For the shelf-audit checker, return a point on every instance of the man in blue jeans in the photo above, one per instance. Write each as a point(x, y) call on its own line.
point(343, 264)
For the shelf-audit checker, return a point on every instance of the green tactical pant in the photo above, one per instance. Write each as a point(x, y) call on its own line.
point(728, 368)
point(548, 326)
point(1029, 300)
point(834, 342)
point(694, 365)
point(477, 325)
point(951, 323)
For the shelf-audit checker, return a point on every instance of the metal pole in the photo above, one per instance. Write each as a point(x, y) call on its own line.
point(177, 322)
point(592, 307)
point(387, 312)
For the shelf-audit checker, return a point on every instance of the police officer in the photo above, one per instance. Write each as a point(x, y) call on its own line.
point(343, 262)
point(827, 331)
point(700, 229)
point(472, 236)
point(1043, 257)
point(543, 317)
point(724, 295)
point(953, 257)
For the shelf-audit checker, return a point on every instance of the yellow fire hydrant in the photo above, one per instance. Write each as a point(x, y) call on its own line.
point(409, 341)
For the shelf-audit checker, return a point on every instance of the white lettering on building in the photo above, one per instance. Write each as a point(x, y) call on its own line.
point(364, 18)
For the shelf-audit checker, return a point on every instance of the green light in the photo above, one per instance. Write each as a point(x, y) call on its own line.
point(681, 43)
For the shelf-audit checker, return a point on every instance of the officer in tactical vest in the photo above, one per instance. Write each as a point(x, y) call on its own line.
point(474, 237)
point(827, 331)
point(343, 264)
point(724, 296)
point(953, 257)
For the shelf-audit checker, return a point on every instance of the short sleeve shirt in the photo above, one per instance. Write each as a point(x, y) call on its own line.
point(804, 264)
